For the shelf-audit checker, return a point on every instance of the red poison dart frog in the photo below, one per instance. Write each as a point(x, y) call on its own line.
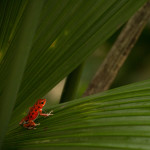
point(28, 121)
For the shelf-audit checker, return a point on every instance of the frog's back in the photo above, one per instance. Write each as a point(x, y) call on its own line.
point(33, 113)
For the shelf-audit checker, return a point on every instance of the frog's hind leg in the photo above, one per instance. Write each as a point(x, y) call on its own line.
point(37, 124)
point(30, 125)
point(21, 122)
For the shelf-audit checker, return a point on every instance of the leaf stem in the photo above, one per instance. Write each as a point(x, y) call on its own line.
point(71, 84)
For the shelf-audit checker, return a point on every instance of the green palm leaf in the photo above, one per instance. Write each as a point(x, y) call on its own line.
point(116, 119)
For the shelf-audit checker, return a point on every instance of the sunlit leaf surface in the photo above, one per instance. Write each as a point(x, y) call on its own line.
point(116, 119)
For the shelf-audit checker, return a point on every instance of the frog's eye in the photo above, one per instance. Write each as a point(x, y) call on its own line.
point(42, 102)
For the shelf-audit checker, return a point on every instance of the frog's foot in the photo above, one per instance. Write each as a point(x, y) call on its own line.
point(22, 121)
point(50, 113)
point(30, 128)
point(29, 125)
point(37, 124)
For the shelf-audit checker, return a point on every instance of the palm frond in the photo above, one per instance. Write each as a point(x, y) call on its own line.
point(115, 119)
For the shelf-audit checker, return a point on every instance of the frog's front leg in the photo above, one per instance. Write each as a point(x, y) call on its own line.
point(49, 114)
point(22, 121)
point(30, 125)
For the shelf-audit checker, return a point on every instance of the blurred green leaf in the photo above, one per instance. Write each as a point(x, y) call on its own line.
point(17, 64)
